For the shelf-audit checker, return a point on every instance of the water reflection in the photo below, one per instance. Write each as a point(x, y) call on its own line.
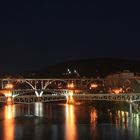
point(93, 117)
point(122, 119)
point(114, 124)
point(9, 112)
point(93, 122)
point(135, 124)
point(67, 122)
point(38, 109)
point(71, 133)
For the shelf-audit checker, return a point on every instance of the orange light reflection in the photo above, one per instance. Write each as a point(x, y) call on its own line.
point(71, 133)
point(93, 117)
point(70, 97)
point(9, 122)
point(93, 122)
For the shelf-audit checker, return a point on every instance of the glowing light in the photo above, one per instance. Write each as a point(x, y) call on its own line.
point(39, 109)
point(7, 93)
point(70, 97)
point(9, 111)
point(117, 90)
point(9, 86)
point(71, 93)
point(71, 85)
point(71, 133)
point(9, 99)
point(93, 86)
point(9, 122)
point(93, 116)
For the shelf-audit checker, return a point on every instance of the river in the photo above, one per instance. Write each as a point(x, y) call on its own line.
point(58, 121)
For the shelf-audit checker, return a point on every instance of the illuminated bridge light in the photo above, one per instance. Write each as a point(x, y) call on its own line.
point(8, 93)
point(69, 97)
point(93, 86)
point(9, 86)
point(71, 85)
point(117, 90)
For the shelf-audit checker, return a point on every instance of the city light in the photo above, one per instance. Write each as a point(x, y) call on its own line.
point(93, 86)
point(71, 85)
point(117, 90)
point(7, 93)
point(9, 86)
point(69, 97)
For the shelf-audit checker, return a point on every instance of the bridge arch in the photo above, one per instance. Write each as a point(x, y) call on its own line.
point(53, 81)
point(29, 84)
point(22, 84)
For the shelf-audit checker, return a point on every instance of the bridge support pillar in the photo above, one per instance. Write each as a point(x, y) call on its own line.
point(38, 94)
point(70, 100)
point(41, 93)
point(69, 97)
point(9, 100)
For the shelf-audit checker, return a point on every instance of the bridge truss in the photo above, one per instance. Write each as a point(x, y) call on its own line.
point(42, 86)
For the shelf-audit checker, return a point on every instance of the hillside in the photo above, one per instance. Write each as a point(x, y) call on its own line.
point(87, 68)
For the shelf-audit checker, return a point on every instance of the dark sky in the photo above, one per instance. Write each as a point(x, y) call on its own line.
point(34, 34)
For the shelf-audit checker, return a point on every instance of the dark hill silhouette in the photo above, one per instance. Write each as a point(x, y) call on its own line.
point(88, 68)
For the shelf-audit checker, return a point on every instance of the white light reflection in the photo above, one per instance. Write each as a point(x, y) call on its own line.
point(125, 121)
point(121, 119)
point(39, 109)
point(134, 121)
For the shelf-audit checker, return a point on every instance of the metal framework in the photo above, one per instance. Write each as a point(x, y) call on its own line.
point(133, 97)
point(33, 99)
point(40, 85)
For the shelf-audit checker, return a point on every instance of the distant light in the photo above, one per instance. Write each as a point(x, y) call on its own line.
point(117, 90)
point(9, 86)
point(68, 70)
point(93, 86)
point(75, 71)
point(71, 85)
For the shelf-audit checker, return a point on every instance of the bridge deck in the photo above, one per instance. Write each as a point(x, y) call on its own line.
point(50, 98)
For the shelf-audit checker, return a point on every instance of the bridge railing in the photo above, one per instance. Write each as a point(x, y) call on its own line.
point(45, 98)
point(110, 97)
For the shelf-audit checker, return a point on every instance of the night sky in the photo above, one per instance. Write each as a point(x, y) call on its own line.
point(35, 34)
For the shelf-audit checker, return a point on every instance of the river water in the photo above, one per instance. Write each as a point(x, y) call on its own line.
point(58, 121)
